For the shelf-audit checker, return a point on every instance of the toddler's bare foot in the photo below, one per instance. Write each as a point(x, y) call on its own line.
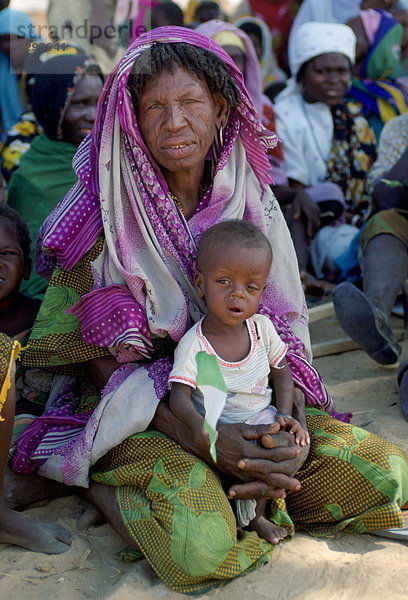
point(268, 531)
point(37, 536)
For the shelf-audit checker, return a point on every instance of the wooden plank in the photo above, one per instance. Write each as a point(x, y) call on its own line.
point(333, 347)
point(321, 311)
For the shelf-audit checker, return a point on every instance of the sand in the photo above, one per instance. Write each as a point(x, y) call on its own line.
point(347, 567)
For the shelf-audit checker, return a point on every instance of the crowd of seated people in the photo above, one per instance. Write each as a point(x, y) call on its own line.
point(116, 154)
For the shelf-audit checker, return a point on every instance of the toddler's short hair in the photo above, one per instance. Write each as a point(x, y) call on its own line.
point(12, 216)
point(233, 231)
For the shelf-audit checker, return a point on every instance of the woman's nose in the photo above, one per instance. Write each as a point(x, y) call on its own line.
point(175, 118)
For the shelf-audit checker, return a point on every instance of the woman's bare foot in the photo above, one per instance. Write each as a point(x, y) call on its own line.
point(268, 531)
point(37, 536)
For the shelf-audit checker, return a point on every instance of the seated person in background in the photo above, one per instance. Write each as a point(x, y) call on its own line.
point(326, 139)
point(260, 35)
point(17, 311)
point(234, 259)
point(64, 98)
point(20, 136)
point(17, 315)
point(16, 34)
point(375, 84)
point(166, 13)
point(365, 315)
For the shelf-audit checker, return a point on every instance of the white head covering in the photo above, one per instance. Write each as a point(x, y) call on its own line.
point(315, 38)
point(328, 11)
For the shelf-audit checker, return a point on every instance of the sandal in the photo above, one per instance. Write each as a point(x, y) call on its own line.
point(365, 324)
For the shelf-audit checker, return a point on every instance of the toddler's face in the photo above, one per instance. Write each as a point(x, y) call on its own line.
point(232, 281)
point(12, 265)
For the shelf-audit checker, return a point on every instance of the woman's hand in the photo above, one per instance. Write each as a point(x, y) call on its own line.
point(266, 467)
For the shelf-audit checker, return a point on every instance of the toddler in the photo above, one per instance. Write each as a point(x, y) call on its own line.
point(234, 261)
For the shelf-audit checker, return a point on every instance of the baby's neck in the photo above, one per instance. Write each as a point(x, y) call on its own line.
point(231, 343)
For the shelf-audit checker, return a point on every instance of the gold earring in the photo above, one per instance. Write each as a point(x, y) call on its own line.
point(221, 137)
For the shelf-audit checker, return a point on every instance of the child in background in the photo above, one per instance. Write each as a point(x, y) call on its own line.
point(234, 260)
point(17, 315)
point(17, 311)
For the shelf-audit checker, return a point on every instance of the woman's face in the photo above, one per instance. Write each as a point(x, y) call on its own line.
point(178, 118)
point(326, 78)
point(237, 56)
point(80, 114)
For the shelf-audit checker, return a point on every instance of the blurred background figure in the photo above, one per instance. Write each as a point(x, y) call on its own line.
point(259, 33)
point(201, 11)
point(20, 136)
point(167, 13)
point(64, 98)
point(95, 25)
point(326, 140)
point(17, 33)
point(377, 83)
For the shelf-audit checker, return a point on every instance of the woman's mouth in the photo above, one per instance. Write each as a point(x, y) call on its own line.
point(178, 150)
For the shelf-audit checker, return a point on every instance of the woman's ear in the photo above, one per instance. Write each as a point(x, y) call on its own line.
point(222, 110)
point(198, 282)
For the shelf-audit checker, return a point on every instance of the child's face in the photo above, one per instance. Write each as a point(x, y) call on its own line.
point(232, 280)
point(12, 265)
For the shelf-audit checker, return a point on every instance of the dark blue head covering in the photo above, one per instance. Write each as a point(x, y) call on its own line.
point(54, 85)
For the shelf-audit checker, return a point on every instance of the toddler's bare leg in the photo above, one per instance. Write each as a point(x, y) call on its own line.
point(265, 529)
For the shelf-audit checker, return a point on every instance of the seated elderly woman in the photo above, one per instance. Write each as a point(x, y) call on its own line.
point(324, 138)
point(64, 98)
point(177, 147)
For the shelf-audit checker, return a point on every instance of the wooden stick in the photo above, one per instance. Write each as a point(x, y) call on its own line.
point(321, 311)
point(333, 347)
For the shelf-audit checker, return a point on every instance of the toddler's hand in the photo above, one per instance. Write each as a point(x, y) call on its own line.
point(294, 427)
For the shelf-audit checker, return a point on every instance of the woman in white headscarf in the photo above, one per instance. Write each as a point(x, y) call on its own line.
point(330, 11)
point(324, 138)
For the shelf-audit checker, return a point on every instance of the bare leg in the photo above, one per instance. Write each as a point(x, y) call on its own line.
point(264, 528)
point(104, 499)
point(385, 270)
point(17, 528)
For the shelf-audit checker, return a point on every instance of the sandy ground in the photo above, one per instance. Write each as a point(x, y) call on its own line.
point(347, 567)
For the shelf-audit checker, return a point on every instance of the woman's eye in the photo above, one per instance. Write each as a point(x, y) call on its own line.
point(8, 252)
point(253, 288)
point(223, 281)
